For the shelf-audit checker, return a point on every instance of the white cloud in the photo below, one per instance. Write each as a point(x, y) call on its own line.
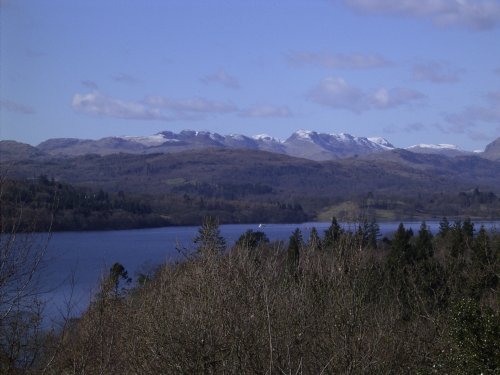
point(168, 109)
point(15, 107)
point(263, 111)
point(472, 14)
point(223, 78)
point(97, 104)
point(435, 72)
point(337, 93)
point(341, 61)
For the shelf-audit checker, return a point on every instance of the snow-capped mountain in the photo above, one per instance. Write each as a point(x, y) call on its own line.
point(306, 144)
point(323, 146)
point(441, 149)
point(303, 143)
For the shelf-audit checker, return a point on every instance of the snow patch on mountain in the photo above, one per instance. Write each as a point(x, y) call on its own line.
point(439, 146)
point(305, 135)
point(382, 142)
point(266, 138)
point(148, 141)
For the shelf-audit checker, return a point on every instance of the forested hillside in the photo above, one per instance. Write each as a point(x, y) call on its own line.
point(256, 186)
point(41, 204)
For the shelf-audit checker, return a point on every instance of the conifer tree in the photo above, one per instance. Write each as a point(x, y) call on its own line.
point(332, 234)
point(209, 239)
point(423, 243)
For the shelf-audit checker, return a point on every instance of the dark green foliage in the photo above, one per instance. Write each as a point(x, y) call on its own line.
point(444, 227)
point(332, 234)
point(402, 252)
point(424, 247)
point(60, 206)
point(369, 232)
point(252, 240)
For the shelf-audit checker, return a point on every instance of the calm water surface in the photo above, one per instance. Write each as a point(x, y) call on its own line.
point(75, 260)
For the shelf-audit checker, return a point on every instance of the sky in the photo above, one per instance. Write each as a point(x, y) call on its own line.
point(412, 71)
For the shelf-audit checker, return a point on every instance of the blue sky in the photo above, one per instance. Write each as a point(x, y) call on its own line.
point(412, 71)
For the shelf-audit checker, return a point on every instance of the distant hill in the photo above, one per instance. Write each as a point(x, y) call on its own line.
point(492, 151)
point(247, 185)
point(12, 150)
point(395, 170)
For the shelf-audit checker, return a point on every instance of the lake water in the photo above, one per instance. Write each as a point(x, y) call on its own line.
point(75, 261)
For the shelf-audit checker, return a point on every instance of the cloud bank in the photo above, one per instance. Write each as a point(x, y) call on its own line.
point(98, 104)
point(471, 14)
point(193, 105)
point(336, 93)
point(168, 109)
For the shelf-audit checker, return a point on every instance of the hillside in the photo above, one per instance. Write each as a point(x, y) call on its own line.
point(12, 150)
point(238, 184)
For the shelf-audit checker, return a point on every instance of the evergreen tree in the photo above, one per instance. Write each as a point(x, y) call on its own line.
point(444, 227)
point(423, 244)
point(209, 239)
point(332, 234)
point(401, 253)
point(369, 232)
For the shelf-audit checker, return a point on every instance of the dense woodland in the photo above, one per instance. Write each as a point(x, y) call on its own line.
point(42, 204)
point(55, 205)
point(337, 302)
point(51, 205)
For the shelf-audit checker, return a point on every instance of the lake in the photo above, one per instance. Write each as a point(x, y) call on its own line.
point(75, 261)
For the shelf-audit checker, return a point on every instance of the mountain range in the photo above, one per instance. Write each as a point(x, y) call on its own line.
point(310, 175)
point(305, 144)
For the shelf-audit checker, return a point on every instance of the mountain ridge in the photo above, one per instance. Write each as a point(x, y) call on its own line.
point(306, 144)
